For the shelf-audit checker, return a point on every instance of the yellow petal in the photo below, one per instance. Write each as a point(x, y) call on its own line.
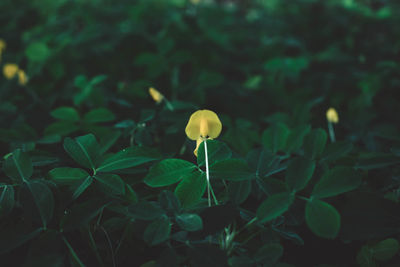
point(10, 70)
point(332, 115)
point(203, 123)
point(22, 78)
point(156, 95)
point(198, 142)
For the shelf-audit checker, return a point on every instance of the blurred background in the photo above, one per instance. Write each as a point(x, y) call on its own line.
point(73, 67)
point(244, 59)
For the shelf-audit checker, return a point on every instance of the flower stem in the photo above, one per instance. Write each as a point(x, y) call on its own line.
point(331, 132)
point(207, 173)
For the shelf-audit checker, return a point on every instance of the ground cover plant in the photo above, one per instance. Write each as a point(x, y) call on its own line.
point(199, 133)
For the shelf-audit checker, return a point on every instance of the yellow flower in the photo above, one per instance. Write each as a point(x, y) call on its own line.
point(10, 70)
point(156, 95)
point(332, 115)
point(22, 78)
point(202, 125)
point(2, 45)
point(195, 2)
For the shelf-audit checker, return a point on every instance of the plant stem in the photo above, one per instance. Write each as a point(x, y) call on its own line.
point(168, 104)
point(207, 173)
point(110, 244)
point(331, 132)
point(73, 253)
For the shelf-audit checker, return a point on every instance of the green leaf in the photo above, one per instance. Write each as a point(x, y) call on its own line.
point(7, 200)
point(37, 51)
point(264, 162)
point(190, 190)
point(67, 176)
point(81, 214)
point(168, 171)
point(275, 137)
point(111, 183)
point(99, 115)
point(253, 82)
point(37, 198)
point(157, 232)
point(84, 150)
point(82, 187)
point(145, 210)
point(130, 194)
point(296, 138)
point(299, 173)
point(65, 113)
point(169, 202)
point(274, 206)
point(216, 151)
point(127, 158)
point(18, 166)
point(385, 249)
point(61, 128)
point(239, 191)
point(333, 151)
point(231, 169)
point(322, 219)
point(269, 253)
point(108, 139)
point(370, 161)
point(339, 180)
point(314, 143)
point(97, 79)
point(189, 222)
point(271, 186)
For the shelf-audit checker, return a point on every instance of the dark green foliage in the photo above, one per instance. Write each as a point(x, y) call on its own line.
point(97, 173)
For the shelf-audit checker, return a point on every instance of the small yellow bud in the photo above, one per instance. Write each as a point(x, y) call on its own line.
point(156, 95)
point(332, 115)
point(195, 2)
point(2, 45)
point(10, 70)
point(22, 78)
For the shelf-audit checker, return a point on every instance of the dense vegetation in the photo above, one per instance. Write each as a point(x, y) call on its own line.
point(96, 171)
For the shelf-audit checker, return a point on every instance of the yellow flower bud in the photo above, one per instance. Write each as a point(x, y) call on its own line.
point(156, 95)
point(22, 78)
point(332, 115)
point(2, 45)
point(10, 70)
point(195, 2)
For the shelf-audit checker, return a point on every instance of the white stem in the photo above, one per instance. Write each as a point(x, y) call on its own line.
point(207, 173)
point(331, 132)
